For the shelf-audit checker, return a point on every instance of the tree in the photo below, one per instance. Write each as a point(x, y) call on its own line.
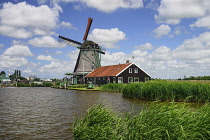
point(2, 72)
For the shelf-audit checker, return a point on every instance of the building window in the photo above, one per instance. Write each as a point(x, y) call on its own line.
point(146, 79)
point(98, 78)
point(130, 70)
point(108, 79)
point(130, 79)
point(136, 79)
point(114, 80)
point(103, 78)
point(136, 70)
point(120, 79)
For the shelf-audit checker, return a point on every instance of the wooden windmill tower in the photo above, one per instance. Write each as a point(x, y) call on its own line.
point(89, 57)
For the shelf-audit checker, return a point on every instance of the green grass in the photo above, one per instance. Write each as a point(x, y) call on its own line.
point(168, 91)
point(113, 87)
point(156, 121)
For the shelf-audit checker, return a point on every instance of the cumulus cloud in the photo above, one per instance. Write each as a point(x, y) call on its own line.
point(172, 11)
point(112, 5)
point(162, 30)
point(194, 49)
point(202, 22)
point(107, 37)
point(18, 51)
point(46, 58)
point(162, 53)
point(57, 69)
point(106, 6)
point(73, 55)
point(22, 20)
point(146, 46)
point(59, 52)
point(68, 25)
point(12, 62)
point(46, 41)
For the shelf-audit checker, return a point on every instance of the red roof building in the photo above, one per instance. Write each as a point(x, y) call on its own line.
point(121, 73)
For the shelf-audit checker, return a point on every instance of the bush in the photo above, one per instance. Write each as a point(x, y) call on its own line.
point(168, 90)
point(113, 87)
point(47, 84)
point(155, 121)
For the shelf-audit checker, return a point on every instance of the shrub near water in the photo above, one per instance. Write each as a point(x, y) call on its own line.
point(113, 87)
point(168, 90)
point(155, 121)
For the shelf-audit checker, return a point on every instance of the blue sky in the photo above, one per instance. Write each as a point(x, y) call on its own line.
point(167, 38)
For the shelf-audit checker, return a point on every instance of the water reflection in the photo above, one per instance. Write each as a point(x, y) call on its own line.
point(38, 113)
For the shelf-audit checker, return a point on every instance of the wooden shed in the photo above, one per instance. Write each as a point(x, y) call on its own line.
point(121, 73)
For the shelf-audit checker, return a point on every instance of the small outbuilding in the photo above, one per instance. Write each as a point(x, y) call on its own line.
point(4, 79)
point(121, 73)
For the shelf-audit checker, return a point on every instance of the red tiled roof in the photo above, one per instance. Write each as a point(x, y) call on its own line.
point(104, 71)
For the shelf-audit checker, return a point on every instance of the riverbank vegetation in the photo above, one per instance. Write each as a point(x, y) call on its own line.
point(168, 91)
point(155, 121)
point(113, 87)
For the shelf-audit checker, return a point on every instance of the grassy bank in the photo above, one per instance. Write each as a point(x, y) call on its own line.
point(168, 91)
point(155, 121)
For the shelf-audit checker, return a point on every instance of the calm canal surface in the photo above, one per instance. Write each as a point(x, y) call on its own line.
point(47, 113)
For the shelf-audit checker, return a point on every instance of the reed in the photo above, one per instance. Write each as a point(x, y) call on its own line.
point(113, 87)
point(168, 91)
point(155, 121)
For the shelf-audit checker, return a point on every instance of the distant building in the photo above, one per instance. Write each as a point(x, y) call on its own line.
point(121, 73)
point(4, 79)
point(46, 80)
point(30, 78)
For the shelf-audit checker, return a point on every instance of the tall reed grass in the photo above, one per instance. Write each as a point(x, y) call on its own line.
point(168, 91)
point(156, 121)
point(113, 87)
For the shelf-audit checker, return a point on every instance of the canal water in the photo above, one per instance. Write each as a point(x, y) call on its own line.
point(48, 113)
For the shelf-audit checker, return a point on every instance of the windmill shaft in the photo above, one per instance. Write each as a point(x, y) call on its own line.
point(87, 28)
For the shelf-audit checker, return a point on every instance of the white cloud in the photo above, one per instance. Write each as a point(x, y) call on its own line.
point(12, 62)
point(162, 53)
point(194, 49)
point(57, 69)
point(139, 53)
point(146, 46)
point(67, 24)
point(107, 6)
point(16, 32)
point(202, 22)
point(46, 58)
point(73, 55)
point(112, 5)
point(18, 50)
point(162, 30)
point(22, 20)
point(177, 32)
point(46, 41)
point(59, 52)
point(172, 11)
point(107, 37)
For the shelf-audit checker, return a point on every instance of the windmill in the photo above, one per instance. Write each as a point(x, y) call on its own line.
point(89, 57)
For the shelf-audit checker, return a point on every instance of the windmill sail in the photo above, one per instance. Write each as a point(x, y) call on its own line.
point(69, 41)
point(87, 28)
